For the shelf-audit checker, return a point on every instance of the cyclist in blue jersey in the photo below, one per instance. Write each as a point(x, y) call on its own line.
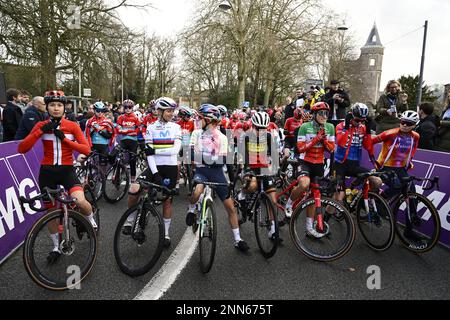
point(351, 136)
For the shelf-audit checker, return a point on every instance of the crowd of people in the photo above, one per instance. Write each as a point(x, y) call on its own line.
point(309, 127)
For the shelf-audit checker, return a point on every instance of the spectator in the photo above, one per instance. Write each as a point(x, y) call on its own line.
point(70, 115)
point(35, 113)
point(89, 114)
point(300, 99)
point(446, 112)
point(11, 115)
point(24, 100)
point(427, 127)
point(339, 102)
point(289, 109)
point(392, 102)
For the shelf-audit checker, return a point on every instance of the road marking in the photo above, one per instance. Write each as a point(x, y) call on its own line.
point(173, 267)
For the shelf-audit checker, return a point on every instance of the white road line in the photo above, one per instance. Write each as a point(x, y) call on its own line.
point(173, 267)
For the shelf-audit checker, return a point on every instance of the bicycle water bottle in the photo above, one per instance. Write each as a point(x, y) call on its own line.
point(349, 195)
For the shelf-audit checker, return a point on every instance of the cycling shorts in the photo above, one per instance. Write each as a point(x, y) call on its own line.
point(54, 176)
point(169, 175)
point(215, 175)
point(103, 149)
point(311, 170)
point(349, 168)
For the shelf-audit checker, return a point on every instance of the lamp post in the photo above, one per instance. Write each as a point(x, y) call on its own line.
point(225, 5)
point(341, 29)
point(121, 68)
point(422, 65)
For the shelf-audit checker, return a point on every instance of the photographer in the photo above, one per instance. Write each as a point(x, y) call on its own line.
point(391, 104)
point(338, 100)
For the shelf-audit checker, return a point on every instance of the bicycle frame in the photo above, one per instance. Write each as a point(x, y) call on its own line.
point(364, 193)
point(205, 196)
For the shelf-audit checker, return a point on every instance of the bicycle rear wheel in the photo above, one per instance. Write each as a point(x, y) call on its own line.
point(116, 183)
point(208, 236)
point(77, 255)
point(339, 235)
point(89, 195)
point(137, 251)
point(425, 222)
point(95, 181)
point(377, 223)
point(265, 222)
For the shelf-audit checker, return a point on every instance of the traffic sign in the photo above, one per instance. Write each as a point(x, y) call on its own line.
point(87, 92)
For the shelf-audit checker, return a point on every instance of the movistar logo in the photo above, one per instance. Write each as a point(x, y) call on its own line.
point(164, 134)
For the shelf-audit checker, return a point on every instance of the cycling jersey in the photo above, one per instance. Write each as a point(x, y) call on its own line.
point(225, 123)
point(148, 120)
point(187, 127)
point(398, 148)
point(290, 126)
point(350, 143)
point(165, 138)
point(128, 126)
point(233, 123)
point(311, 151)
point(240, 128)
point(93, 128)
point(258, 149)
point(57, 152)
point(209, 147)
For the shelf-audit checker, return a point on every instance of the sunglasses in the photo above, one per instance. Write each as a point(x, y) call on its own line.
point(323, 113)
point(407, 123)
point(128, 108)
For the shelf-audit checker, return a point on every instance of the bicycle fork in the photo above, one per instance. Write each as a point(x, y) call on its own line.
point(318, 205)
point(66, 245)
point(366, 190)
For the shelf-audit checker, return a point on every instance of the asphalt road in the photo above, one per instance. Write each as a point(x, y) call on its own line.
point(289, 275)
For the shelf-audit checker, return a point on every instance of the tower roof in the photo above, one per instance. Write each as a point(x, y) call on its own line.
point(374, 38)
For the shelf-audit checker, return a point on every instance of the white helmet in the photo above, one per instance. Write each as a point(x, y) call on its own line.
point(223, 110)
point(165, 103)
point(410, 116)
point(261, 120)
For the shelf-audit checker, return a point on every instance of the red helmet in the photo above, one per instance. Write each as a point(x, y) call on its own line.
point(320, 106)
point(55, 96)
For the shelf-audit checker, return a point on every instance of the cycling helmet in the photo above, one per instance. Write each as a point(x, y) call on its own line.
point(242, 116)
point(128, 103)
point(320, 106)
point(298, 113)
point(185, 112)
point(360, 110)
point(223, 110)
point(410, 116)
point(99, 106)
point(261, 120)
point(55, 96)
point(235, 116)
point(165, 103)
point(210, 112)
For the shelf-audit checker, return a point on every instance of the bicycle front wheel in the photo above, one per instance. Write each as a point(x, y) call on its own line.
point(138, 241)
point(77, 247)
point(338, 236)
point(417, 222)
point(375, 221)
point(266, 227)
point(207, 236)
point(116, 183)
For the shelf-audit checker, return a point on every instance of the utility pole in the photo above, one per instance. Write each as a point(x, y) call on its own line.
point(422, 65)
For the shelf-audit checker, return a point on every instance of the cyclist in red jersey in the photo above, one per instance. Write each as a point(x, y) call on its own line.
point(290, 127)
point(187, 127)
point(60, 138)
point(128, 126)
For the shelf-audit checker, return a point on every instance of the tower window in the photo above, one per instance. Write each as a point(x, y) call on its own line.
point(372, 62)
point(374, 38)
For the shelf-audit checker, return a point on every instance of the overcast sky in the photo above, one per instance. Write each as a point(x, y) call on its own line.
point(394, 19)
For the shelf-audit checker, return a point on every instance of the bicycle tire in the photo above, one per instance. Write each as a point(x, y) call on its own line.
point(157, 251)
point(300, 243)
point(29, 249)
point(434, 216)
point(116, 198)
point(95, 181)
point(366, 223)
point(263, 224)
point(207, 226)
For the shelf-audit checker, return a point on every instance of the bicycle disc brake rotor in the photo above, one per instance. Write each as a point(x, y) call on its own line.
point(67, 249)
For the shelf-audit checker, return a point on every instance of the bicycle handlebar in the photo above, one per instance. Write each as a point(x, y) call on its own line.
point(52, 194)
